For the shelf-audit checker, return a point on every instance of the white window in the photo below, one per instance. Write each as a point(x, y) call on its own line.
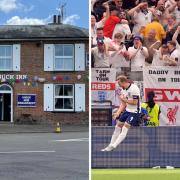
point(64, 57)
point(64, 97)
point(6, 58)
point(10, 57)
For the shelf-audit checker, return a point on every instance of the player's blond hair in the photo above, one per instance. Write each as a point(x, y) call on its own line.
point(122, 78)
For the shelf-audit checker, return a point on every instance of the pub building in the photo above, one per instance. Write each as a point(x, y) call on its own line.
point(44, 73)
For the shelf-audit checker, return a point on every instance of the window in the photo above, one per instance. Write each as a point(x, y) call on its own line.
point(5, 87)
point(6, 58)
point(64, 97)
point(64, 57)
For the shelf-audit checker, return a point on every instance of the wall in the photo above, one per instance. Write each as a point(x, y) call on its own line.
point(32, 64)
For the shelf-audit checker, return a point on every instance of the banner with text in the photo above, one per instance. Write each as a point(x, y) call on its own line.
point(165, 82)
point(103, 84)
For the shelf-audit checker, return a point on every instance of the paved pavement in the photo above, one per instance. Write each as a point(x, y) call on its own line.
point(44, 156)
point(39, 128)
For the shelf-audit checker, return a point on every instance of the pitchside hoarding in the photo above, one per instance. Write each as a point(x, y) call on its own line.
point(165, 82)
point(144, 147)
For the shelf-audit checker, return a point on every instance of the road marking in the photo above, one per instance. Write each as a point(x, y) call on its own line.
point(72, 140)
point(18, 152)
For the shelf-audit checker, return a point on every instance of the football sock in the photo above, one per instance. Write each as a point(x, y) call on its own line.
point(115, 134)
point(121, 137)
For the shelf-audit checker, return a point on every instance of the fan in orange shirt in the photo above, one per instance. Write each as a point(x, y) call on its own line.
point(160, 32)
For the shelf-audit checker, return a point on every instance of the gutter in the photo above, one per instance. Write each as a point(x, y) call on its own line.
point(46, 39)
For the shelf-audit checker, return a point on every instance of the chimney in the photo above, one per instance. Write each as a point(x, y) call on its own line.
point(56, 19)
point(59, 19)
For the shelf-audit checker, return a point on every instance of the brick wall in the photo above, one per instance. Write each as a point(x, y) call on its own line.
point(32, 64)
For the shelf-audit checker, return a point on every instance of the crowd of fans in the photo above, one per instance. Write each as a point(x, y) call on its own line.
point(131, 34)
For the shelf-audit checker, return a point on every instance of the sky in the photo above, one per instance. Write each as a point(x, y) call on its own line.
point(34, 12)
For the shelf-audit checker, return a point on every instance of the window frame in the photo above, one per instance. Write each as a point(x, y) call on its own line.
point(11, 68)
point(64, 57)
point(56, 97)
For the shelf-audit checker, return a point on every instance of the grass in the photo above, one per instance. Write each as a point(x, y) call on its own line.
point(135, 174)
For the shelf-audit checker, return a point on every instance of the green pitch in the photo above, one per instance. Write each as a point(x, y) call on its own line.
point(135, 174)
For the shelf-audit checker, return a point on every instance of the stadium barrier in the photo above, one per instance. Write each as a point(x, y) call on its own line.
point(101, 113)
point(144, 147)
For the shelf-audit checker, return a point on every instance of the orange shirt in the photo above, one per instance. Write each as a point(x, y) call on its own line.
point(110, 25)
point(160, 32)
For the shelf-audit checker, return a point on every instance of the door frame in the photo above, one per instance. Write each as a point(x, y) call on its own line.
point(8, 92)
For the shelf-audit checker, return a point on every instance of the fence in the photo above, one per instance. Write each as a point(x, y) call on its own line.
point(143, 147)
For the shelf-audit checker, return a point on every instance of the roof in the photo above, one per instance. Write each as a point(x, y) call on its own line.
point(50, 31)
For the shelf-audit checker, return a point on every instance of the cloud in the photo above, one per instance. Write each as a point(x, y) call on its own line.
point(16, 20)
point(10, 5)
point(71, 19)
